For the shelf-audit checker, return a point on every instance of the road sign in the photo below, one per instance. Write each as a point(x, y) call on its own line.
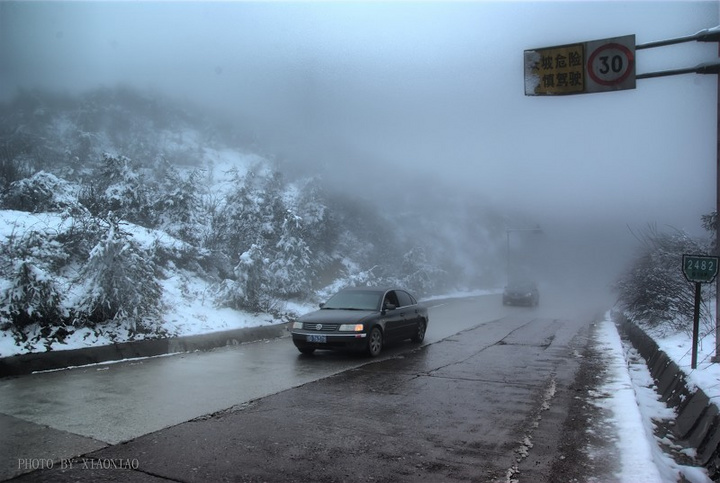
point(595, 66)
point(700, 268)
point(611, 64)
point(555, 70)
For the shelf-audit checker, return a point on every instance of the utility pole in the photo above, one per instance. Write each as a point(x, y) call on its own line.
point(716, 358)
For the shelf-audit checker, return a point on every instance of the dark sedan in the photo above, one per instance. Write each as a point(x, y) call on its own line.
point(521, 293)
point(362, 319)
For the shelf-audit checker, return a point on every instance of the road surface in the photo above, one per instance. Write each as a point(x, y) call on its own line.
point(465, 405)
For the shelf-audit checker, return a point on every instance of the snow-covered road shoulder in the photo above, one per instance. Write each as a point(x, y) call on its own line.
point(629, 395)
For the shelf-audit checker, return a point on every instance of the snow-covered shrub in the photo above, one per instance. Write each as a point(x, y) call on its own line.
point(184, 256)
point(653, 291)
point(32, 298)
point(118, 282)
point(249, 291)
point(40, 247)
point(80, 233)
point(40, 193)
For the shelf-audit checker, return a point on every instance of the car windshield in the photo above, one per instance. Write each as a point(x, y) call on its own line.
point(354, 301)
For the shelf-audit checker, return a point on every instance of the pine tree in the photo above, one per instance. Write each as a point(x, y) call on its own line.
point(177, 203)
point(250, 290)
point(120, 188)
point(119, 282)
point(291, 268)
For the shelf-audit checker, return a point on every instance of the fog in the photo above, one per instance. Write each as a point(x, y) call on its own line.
point(403, 97)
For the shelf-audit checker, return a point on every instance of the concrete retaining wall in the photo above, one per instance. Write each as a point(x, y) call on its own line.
point(43, 361)
point(697, 424)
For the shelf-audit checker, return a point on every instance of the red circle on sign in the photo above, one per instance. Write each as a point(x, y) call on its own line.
point(624, 50)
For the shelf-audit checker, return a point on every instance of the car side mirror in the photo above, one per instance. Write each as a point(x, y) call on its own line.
point(322, 304)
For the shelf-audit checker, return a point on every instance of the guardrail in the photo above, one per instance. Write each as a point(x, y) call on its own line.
point(697, 422)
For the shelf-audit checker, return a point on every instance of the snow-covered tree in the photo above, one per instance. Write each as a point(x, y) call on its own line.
point(291, 269)
point(119, 187)
point(177, 203)
point(320, 229)
point(253, 212)
point(118, 282)
point(418, 274)
point(32, 298)
point(654, 291)
point(250, 290)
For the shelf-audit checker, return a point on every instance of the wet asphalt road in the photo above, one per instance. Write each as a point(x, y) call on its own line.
point(488, 404)
point(60, 414)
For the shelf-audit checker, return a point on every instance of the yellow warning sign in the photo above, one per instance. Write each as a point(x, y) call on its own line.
point(555, 70)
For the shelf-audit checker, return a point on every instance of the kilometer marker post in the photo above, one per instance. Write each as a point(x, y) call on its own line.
point(696, 326)
point(698, 269)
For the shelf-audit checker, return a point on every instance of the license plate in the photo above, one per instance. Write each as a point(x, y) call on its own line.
point(317, 339)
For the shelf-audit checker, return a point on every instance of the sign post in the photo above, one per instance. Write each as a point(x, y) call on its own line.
point(698, 269)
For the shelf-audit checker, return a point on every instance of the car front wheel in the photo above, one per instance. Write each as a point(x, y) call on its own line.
point(375, 342)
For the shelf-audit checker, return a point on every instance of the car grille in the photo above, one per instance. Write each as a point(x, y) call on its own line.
point(320, 327)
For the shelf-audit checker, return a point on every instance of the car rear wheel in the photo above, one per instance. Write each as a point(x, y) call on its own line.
point(419, 332)
point(375, 342)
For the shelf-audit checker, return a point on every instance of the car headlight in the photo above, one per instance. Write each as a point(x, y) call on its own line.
point(297, 325)
point(351, 328)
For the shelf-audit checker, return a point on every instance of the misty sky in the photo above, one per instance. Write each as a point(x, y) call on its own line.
point(377, 91)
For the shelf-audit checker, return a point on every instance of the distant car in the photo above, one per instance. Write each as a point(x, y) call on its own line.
point(521, 293)
point(361, 319)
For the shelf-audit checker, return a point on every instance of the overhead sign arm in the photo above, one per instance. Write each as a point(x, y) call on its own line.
point(707, 68)
point(705, 35)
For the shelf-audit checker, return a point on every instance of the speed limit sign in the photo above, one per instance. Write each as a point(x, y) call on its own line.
point(611, 64)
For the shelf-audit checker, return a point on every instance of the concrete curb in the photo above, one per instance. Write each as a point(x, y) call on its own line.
point(44, 361)
point(697, 422)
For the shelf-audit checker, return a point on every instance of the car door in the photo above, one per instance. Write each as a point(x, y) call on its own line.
point(393, 318)
point(408, 313)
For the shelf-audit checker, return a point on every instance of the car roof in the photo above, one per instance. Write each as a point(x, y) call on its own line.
point(369, 289)
point(521, 283)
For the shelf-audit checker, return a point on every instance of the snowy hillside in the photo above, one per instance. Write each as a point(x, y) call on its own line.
point(125, 217)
